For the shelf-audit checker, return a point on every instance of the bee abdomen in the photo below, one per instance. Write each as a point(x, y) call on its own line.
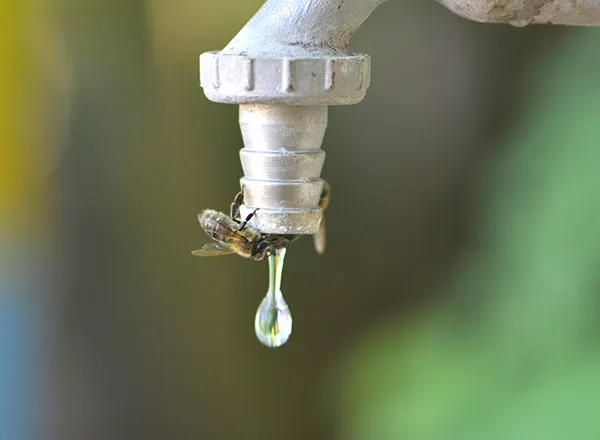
point(208, 218)
point(216, 224)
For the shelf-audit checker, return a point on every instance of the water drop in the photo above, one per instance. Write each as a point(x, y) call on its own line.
point(273, 322)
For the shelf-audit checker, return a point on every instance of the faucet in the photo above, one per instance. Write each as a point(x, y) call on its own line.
point(292, 61)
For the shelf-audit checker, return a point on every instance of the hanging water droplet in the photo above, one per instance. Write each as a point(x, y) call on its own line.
point(273, 322)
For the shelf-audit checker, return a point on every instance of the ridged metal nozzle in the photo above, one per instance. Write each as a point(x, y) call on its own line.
point(282, 162)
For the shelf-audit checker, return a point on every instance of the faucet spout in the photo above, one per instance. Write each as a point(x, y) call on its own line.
point(284, 68)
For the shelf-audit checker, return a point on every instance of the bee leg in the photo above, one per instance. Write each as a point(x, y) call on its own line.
point(325, 195)
point(248, 218)
point(234, 209)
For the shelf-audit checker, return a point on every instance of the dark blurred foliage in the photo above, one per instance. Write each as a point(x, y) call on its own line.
point(433, 224)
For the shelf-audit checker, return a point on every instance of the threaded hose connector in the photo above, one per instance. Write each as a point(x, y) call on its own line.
point(283, 117)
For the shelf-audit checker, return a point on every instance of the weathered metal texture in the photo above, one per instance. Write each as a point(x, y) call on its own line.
point(524, 12)
point(289, 62)
point(301, 28)
point(328, 80)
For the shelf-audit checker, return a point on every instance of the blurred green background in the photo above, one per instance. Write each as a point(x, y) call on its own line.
point(457, 300)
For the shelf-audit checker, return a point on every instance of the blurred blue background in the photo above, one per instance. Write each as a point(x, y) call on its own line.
point(458, 298)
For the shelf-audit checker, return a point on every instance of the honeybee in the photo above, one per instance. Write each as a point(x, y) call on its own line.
point(231, 235)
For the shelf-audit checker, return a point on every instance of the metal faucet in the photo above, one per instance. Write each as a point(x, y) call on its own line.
point(290, 62)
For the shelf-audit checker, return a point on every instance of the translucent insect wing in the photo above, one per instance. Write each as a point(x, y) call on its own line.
point(320, 238)
point(213, 250)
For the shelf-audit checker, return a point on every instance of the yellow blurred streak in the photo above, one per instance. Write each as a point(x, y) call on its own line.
point(19, 170)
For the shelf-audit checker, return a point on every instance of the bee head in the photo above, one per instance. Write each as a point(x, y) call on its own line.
point(267, 245)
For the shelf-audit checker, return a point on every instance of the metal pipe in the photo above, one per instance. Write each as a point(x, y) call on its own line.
point(301, 28)
point(524, 12)
point(289, 62)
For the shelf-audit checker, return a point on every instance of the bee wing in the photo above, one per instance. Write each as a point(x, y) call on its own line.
point(320, 237)
point(213, 250)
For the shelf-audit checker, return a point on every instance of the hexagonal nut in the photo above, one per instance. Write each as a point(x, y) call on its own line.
point(237, 79)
